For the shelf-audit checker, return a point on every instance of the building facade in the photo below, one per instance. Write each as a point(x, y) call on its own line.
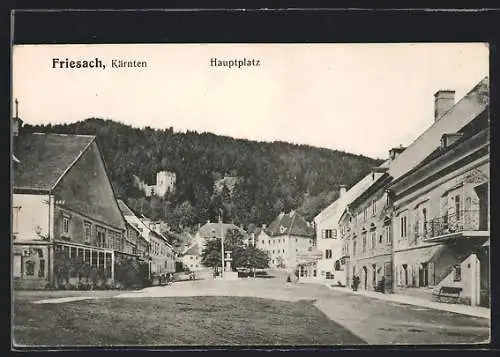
point(441, 210)
point(328, 240)
point(288, 238)
point(424, 225)
point(64, 208)
point(367, 225)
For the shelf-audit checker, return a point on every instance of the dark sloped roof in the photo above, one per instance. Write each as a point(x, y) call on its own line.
point(290, 224)
point(44, 158)
point(480, 124)
point(209, 229)
point(194, 249)
point(124, 208)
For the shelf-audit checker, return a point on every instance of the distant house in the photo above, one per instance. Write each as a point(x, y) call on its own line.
point(160, 253)
point(212, 230)
point(139, 245)
point(191, 257)
point(286, 240)
point(62, 201)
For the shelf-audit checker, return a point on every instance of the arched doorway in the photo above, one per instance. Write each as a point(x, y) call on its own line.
point(365, 278)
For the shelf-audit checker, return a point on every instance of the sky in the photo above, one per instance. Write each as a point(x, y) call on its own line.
point(359, 98)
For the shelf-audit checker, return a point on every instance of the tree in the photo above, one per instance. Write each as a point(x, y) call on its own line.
point(211, 254)
point(251, 257)
point(233, 239)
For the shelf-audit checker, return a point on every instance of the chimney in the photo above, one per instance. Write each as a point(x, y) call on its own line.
point(443, 101)
point(449, 139)
point(394, 152)
point(342, 190)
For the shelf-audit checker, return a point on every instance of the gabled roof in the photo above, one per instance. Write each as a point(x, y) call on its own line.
point(45, 158)
point(193, 249)
point(479, 125)
point(210, 230)
point(463, 112)
point(290, 223)
point(337, 208)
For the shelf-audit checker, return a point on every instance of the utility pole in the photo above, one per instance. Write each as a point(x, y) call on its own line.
point(222, 242)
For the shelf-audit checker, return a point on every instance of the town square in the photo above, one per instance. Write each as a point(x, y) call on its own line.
point(213, 225)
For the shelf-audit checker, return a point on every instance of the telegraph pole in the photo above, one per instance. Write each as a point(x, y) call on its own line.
point(222, 242)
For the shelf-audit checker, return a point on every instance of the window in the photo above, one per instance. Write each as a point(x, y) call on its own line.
point(101, 237)
point(457, 206)
point(380, 238)
point(364, 241)
point(88, 232)
point(424, 217)
point(329, 233)
point(100, 263)
point(403, 226)
point(65, 224)
point(457, 273)
point(30, 267)
point(269, 242)
point(365, 214)
point(374, 238)
point(387, 231)
point(263, 241)
point(354, 246)
point(283, 251)
point(374, 207)
point(41, 269)
point(328, 253)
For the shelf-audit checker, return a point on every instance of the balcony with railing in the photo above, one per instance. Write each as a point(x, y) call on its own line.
point(453, 224)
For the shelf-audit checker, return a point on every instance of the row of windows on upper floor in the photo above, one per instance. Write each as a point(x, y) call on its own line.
point(280, 241)
point(374, 241)
point(455, 212)
point(364, 214)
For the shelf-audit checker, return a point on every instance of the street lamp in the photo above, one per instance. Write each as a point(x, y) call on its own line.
point(222, 242)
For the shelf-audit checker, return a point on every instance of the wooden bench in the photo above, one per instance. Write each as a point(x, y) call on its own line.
point(449, 292)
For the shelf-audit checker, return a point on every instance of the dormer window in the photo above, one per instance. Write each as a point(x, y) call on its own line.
point(448, 139)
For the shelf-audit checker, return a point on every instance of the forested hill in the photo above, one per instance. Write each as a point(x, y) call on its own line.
point(273, 177)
